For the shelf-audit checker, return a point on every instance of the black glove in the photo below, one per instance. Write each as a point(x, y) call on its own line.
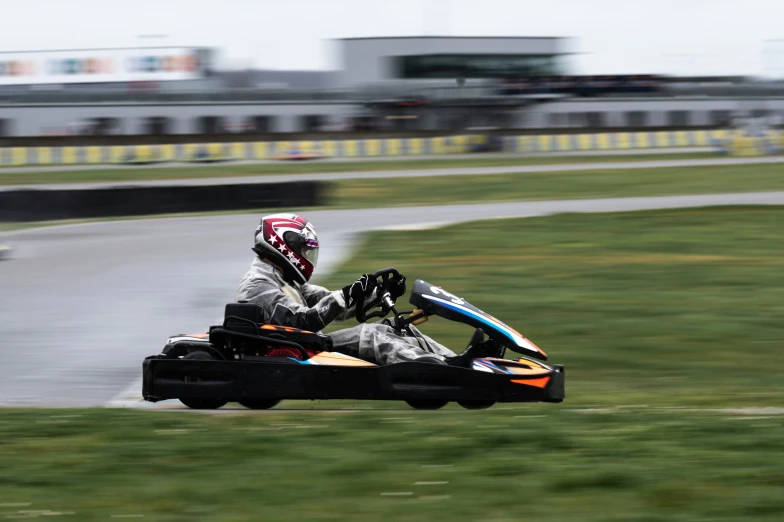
point(397, 287)
point(362, 287)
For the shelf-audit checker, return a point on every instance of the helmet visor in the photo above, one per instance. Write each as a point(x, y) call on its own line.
point(310, 251)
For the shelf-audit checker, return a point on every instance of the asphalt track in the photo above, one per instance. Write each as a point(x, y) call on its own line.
point(469, 171)
point(82, 305)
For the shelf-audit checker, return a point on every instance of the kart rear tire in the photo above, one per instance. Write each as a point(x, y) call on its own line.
point(476, 405)
point(427, 404)
point(201, 403)
point(259, 404)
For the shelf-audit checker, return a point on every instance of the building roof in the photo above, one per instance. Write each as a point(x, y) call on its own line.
point(412, 37)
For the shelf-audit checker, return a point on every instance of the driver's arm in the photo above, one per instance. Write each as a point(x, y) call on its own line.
point(279, 309)
point(313, 294)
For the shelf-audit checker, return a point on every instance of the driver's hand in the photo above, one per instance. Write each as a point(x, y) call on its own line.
point(397, 287)
point(362, 287)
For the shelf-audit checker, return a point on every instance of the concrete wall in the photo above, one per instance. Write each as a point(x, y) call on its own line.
point(37, 120)
point(657, 110)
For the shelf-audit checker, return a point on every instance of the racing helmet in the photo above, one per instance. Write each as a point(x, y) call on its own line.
point(289, 241)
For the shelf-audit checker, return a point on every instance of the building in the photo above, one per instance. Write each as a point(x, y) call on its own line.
point(405, 84)
point(369, 61)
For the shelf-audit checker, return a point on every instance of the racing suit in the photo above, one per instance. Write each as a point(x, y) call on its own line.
point(311, 307)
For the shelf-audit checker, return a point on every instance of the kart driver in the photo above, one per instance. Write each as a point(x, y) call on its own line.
point(286, 247)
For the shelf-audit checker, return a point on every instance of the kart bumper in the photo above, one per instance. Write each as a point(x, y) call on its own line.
point(165, 378)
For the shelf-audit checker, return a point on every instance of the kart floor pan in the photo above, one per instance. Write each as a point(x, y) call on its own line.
point(165, 378)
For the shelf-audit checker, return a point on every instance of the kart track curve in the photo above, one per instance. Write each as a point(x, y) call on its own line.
point(82, 305)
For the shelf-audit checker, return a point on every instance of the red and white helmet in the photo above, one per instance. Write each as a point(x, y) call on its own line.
point(290, 241)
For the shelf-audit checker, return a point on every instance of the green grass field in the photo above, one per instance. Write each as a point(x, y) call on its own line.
point(663, 319)
point(665, 308)
point(439, 190)
point(230, 170)
point(525, 464)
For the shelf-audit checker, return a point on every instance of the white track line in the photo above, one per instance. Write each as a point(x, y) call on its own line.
point(130, 397)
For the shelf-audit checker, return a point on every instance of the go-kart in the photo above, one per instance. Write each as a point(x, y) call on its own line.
point(258, 365)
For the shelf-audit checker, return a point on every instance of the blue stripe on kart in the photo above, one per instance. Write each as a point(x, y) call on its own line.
point(492, 366)
point(481, 318)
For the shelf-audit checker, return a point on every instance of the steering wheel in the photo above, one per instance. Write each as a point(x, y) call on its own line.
point(386, 275)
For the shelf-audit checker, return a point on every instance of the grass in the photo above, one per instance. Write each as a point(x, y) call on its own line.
point(664, 308)
point(604, 183)
point(231, 170)
point(663, 319)
point(532, 463)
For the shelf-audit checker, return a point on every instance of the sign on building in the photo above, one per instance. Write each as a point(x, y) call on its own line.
point(103, 65)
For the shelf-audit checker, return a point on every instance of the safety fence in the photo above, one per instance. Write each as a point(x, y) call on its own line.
point(721, 140)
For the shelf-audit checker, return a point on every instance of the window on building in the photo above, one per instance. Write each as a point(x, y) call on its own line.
point(404, 122)
point(557, 119)
point(211, 125)
point(678, 118)
point(364, 123)
point(261, 124)
point(577, 119)
point(720, 118)
point(501, 120)
point(595, 119)
point(157, 125)
point(5, 127)
point(107, 126)
point(760, 113)
point(311, 123)
point(636, 119)
point(476, 66)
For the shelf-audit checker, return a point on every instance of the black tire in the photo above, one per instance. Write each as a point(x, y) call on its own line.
point(476, 405)
point(201, 403)
point(259, 404)
point(427, 404)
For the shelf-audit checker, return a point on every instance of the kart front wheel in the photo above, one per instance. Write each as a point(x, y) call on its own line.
point(476, 405)
point(201, 403)
point(426, 404)
point(259, 404)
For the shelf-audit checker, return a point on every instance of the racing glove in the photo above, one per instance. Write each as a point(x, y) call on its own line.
point(397, 287)
point(362, 287)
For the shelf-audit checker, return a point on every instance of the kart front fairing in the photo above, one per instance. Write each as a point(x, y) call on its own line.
point(437, 301)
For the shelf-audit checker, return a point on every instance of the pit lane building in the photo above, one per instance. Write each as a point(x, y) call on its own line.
point(444, 84)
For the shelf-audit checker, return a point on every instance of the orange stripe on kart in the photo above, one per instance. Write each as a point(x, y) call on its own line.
point(539, 383)
point(529, 362)
point(283, 328)
point(338, 359)
point(528, 371)
point(198, 336)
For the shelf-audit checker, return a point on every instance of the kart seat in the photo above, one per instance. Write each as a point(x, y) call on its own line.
point(243, 310)
point(246, 318)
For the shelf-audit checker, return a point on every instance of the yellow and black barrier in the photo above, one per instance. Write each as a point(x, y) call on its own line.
point(215, 152)
point(748, 146)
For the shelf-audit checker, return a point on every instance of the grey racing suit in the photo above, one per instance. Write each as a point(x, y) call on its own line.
point(311, 307)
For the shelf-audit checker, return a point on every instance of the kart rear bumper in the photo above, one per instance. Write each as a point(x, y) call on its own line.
point(164, 378)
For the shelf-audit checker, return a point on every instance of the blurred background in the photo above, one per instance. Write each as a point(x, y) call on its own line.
point(161, 71)
point(607, 177)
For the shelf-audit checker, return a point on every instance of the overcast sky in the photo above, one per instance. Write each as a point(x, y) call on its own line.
point(612, 36)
